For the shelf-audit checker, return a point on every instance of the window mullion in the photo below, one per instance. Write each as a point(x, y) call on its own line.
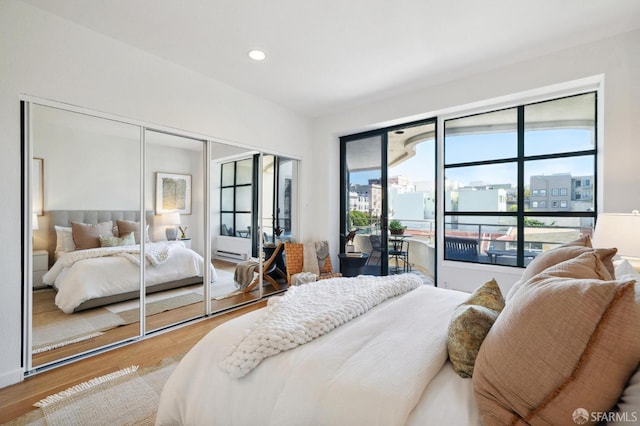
point(235, 197)
point(521, 183)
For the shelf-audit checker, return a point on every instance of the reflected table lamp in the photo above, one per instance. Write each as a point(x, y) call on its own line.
point(619, 230)
point(34, 226)
point(172, 221)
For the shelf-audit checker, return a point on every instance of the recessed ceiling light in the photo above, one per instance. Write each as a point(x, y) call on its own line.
point(257, 55)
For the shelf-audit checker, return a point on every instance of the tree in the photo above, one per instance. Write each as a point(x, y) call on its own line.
point(358, 218)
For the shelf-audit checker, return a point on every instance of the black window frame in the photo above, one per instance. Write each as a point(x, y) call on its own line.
point(235, 187)
point(521, 159)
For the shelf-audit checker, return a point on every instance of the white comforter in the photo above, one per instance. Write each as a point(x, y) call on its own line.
point(88, 274)
point(371, 370)
point(308, 312)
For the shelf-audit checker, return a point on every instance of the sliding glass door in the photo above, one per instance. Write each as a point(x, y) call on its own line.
point(363, 201)
point(388, 198)
point(411, 205)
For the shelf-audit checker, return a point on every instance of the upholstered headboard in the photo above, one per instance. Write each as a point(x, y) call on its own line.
point(45, 237)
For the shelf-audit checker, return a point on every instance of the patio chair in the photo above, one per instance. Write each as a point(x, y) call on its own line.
point(376, 246)
point(399, 251)
point(456, 248)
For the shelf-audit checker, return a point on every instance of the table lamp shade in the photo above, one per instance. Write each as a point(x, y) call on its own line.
point(34, 222)
point(171, 219)
point(618, 230)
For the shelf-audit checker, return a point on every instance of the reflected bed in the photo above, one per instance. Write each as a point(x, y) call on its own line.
point(97, 276)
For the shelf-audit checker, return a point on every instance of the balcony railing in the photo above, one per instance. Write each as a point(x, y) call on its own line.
point(498, 244)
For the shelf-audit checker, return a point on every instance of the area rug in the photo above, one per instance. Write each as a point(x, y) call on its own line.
point(52, 328)
point(130, 316)
point(125, 397)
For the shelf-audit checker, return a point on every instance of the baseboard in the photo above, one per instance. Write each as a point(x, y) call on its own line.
point(11, 378)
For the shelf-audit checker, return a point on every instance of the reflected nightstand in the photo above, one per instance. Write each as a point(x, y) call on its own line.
point(40, 267)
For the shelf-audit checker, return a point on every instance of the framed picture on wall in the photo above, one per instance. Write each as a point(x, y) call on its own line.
point(38, 186)
point(173, 193)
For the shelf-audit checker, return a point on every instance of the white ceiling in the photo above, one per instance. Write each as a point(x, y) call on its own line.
point(325, 56)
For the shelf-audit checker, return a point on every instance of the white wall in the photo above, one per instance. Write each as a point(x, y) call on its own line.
point(44, 56)
point(618, 58)
point(86, 170)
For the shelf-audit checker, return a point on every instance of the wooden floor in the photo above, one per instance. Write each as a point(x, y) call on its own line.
point(18, 399)
point(153, 322)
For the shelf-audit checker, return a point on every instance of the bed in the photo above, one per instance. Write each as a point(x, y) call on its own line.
point(403, 360)
point(87, 277)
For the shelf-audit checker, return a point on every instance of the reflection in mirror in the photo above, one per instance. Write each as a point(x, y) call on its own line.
point(175, 193)
point(280, 180)
point(279, 220)
point(236, 175)
point(95, 222)
point(232, 193)
point(82, 299)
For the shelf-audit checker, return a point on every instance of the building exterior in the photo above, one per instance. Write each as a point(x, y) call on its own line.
point(561, 192)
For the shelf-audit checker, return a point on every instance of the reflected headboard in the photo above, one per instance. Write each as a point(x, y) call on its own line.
point(44, 237)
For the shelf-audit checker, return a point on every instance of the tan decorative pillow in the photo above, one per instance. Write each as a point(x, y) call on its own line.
point(563, 342)
point(488, 295)
point(559, 254)
point(470, 324)
point(87, 236)
point(127, 226)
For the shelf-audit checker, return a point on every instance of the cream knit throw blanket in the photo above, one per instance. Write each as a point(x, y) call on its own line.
point(155, 253)
point(309, 311)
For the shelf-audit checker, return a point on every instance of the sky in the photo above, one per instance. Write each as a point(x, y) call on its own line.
point(463, 148)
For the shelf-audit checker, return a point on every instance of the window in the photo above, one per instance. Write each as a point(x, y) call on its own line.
point(539, 145)
point(236, 198)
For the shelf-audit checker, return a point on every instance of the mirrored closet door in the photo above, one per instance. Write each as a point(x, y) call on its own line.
point(87, 182)
point(233, 215)
point(175, 193)
point(128, 221)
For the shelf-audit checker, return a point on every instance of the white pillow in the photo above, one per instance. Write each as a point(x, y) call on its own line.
point(629, 404)
point(624, 269)
point(303, 278)
point(64, 239)
point(630, 400)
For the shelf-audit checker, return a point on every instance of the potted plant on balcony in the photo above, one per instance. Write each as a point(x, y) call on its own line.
point(396, 228)
point(349, 246)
